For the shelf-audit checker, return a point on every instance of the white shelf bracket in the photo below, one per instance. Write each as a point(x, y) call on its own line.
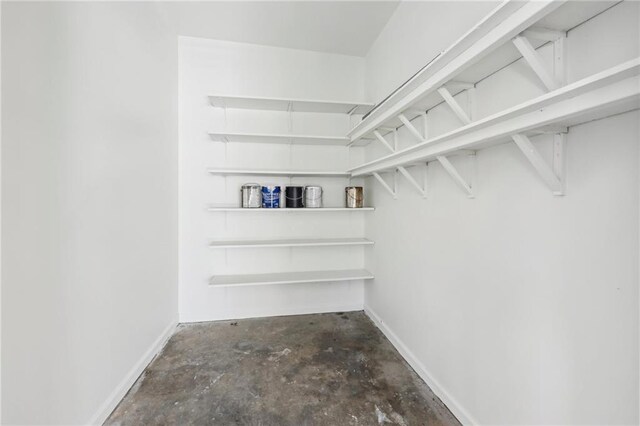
point(552, 176)
point(384, 141)
point(393, 191)
point(457, 178)
point(423, 116)
point(544, 34)
point(459, 85)
point(533, 58)
point(395, 139)
point(422, 189)
point(425, 128)
point(454, 105)
point(412, 129)
point(559, 69)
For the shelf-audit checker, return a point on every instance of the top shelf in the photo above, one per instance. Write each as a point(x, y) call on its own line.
point(293, 105)
point(476, 55)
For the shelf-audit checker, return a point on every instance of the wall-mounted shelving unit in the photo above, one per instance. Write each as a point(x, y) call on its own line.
point(285, 173)
point(289, 106)
point(308, 242)
point(609, 92)
point(527, 25)
point(291, 277)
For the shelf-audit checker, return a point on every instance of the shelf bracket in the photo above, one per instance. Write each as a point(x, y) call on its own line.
point(558, 60)
point(422, 189)
point(457, 178)
point(393, 191)
point(551, 129)
point(459, 85)
point(552, 176)
point(383, 140)
point(533, 58)
point(454, 105)
point(544, 34)
point(412, 129)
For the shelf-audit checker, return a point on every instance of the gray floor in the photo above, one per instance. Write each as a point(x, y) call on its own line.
point(325, 369)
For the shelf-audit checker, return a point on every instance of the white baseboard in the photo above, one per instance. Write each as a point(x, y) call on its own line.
point(121, 390)
point(461, 414)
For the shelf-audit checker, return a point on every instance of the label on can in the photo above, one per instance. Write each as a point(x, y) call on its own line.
point(271, 197)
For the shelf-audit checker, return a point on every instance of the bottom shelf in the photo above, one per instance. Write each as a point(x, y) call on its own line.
point(290, 277)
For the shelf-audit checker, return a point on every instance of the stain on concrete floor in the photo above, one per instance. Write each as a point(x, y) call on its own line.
point(323, 369)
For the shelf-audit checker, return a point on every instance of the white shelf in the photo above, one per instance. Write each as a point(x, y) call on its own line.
point(279, 138)
point(505, 22)
point(323, 242)
point(294, 105)
point(486, 46)
point(290, 278)
point(290, 210)
point(286, 173)
point(613, 91)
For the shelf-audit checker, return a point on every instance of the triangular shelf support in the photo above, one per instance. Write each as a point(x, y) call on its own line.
point(467, 187)
point(393, 191)
point(555, 78)
point(412, 129)
point(422, 189)
point(454, 105)
point(553, 175)
point(384, 142)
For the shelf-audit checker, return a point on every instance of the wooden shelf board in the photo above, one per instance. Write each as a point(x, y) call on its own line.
point(318, 242)
point(294, 105)
point(278, 138)
point(287, 173)
point(290, 278)
point(286, 210)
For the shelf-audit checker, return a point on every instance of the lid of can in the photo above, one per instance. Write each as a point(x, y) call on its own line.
point(250, 185)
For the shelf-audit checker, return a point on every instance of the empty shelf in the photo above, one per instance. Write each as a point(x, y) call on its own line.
point(294, 105)
point(291, 243)
point(280, 139)
point(286, 173)
point(290, 277)
point(285, 210)
point(606, 93)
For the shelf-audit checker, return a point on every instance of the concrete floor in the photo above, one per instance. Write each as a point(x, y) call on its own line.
point(324, 369)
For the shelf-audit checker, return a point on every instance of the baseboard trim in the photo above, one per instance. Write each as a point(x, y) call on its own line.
point(461, 414)
point(121, 390)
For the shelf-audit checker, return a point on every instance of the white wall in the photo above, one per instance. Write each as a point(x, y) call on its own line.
point(518, 307)
point(218, 67)
point(89, 208)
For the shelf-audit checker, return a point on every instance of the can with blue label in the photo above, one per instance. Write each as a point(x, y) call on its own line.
point(270, 197)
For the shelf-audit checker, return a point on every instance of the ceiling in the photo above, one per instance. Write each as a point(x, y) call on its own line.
point(346, 27)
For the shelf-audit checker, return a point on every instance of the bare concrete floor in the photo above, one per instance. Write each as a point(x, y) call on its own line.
point(325, 369)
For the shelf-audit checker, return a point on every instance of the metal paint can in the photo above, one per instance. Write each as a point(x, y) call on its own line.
point(354, 197)
point(313, 196)
point(294, 197)
point(251, 197)
point(271, 197)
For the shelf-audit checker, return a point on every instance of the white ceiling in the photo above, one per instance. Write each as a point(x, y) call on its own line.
point(346, 27)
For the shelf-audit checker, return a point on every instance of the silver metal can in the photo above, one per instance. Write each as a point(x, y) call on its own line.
point(313, 197)
point(354, 197)
point(251, 195)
